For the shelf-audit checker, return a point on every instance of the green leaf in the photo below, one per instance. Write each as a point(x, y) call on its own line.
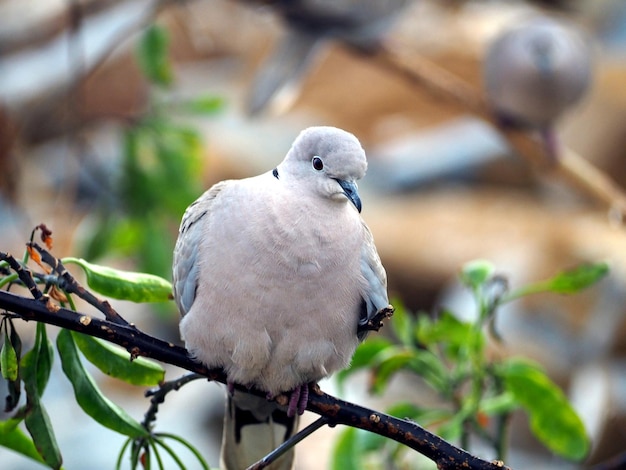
point(499, 404)
point(452, 429)
point(8, 358)
point(44, 358)
point(153, 59)
point(552, 419)
point(124, 285)
point(196, 453)
point(475, 273)
point(89, 396)
point(15, 386)
point(566, 282)
point(385, 366)
point(37, 364)
point(394, 359)
point(12, 437)
point(456, 336)
point(403, 323)
point(38, 424)
point(35, 370)
point(204, 105)
point(116, 362)
point(431, 368)
point(363, 356)
point(581, 277)
point(347, 452)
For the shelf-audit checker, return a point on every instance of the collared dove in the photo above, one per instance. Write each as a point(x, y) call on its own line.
point(310, 23)
point(535, 70)
point(276, 276)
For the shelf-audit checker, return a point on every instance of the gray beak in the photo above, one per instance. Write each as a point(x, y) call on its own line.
point(351, 192)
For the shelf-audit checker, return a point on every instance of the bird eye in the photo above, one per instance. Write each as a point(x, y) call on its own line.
point(318, 164)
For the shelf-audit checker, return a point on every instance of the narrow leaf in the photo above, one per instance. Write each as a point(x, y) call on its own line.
point(124, 285)
point(15, 386)
point(196, 453)
point(455, 336)
point(403, 323)
point(45, 357)
point(566, 282)
point(89, 396)
point(431, 368)
point(499, 404)
point(206, 105)
point(552, 419)
point(12, 437)
point(116, 362)
point(8, 358)
point(363, 356)
point(346, 454)
point(153, 58)
point(581, 277)
point(40, 429)
point(37, 364)
point(387, 363)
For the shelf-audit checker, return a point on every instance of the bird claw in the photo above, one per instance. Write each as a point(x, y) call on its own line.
point(298, 400)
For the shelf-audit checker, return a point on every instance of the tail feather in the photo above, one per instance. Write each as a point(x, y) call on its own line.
point(253, 427)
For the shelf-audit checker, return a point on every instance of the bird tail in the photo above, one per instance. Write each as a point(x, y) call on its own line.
point(253, 427)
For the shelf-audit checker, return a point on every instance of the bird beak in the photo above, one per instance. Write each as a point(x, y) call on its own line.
point(351, 192)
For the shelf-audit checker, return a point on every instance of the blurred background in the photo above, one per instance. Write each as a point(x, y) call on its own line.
point(107, 146)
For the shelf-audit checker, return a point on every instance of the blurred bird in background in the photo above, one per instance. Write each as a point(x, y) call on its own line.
point(311, 23)
point(535, 71)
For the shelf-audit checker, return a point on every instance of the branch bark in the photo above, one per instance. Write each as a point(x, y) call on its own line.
point(337, 411)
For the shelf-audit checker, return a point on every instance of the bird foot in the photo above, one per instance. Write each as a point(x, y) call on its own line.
point(298, 400)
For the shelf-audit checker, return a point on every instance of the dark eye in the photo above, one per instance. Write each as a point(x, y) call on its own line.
point(318, 164)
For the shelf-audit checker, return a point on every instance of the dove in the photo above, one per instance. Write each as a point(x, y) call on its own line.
point(309, 25)
point(276, 276)
point(536, 70)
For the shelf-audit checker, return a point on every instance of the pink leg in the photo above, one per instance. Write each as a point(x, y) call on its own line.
point(294, 401)
point(304, 398)
point(298, 400)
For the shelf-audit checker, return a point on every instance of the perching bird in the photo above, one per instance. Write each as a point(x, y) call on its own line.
point(310, 23)
point(535, 71)
point(275, 276)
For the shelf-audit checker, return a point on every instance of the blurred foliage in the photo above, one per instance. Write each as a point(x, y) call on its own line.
point(479, 390)
point(161, 170)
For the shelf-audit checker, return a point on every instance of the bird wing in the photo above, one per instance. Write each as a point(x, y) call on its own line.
point(186, 267)
point(375, 294)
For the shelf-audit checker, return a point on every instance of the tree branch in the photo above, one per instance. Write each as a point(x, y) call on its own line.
point(336, 411)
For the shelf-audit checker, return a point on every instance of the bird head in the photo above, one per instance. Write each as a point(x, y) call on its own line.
point(326, 161)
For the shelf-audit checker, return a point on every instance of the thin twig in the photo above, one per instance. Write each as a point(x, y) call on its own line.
point(159, 393)
point(72, 286)
point(289, 443)
point(23, 273)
